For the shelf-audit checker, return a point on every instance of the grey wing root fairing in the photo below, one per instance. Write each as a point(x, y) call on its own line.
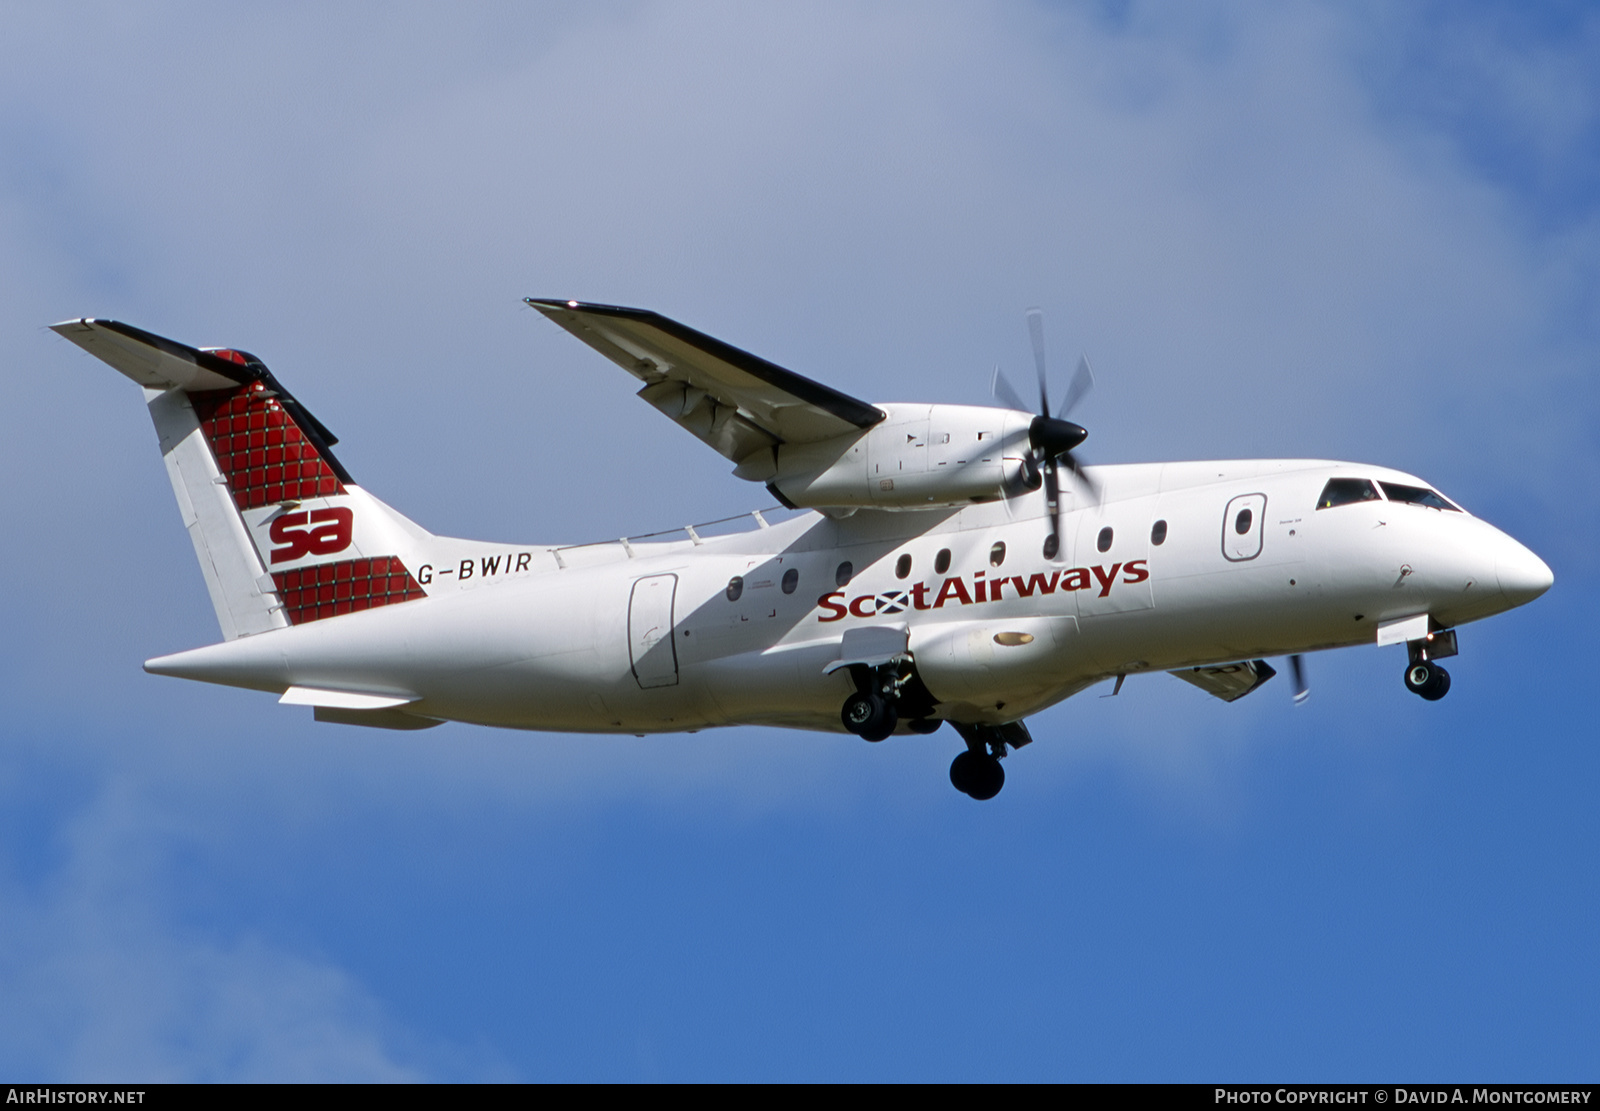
point(1229, 682)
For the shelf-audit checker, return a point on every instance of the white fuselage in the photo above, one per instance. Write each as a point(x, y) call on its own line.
point(644, 637)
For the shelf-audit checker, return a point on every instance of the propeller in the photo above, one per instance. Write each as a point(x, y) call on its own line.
point(1302, 689)
point(1051, 439)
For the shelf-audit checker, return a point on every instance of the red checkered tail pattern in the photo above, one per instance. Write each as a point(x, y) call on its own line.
point(282, 533)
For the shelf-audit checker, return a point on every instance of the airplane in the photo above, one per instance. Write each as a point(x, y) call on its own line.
point(942, 564)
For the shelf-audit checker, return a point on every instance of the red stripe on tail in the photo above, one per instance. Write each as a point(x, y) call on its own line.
point(332, 589)
point(260, 450)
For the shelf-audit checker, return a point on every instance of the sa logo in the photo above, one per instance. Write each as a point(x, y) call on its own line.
point(331, 533)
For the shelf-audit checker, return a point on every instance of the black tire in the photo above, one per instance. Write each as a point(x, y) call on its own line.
point(1440, 686)
point(1427, 680)
point(924, 725)
point(988, 780)
point(979, 777)
point(869, 717)
point(961, 772)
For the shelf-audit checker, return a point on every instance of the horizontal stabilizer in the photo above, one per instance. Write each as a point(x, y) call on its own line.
point(152, 361)
point(343, 700)
point(1229, 682)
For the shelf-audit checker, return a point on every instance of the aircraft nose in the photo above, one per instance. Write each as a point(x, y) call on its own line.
point(1523, 576)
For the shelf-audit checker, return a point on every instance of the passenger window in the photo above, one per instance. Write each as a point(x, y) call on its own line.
point(735, 588)
point(1103, 541)
point(997, 554)
point(1241, 523)
point(791, 579)
point(842, 576)
point(1158, 533)
point(1416, 495)
point(902, 566)
point(941, 562)
point(1052, 545)
point(1346, 491)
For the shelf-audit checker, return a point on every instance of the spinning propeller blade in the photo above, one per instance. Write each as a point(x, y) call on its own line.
point(1052, 438)
point(1001, 388)
point(1082, 382)
point(1302, 690)
point(1036, 334)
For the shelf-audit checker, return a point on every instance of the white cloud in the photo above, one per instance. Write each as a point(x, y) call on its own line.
point(101, 984)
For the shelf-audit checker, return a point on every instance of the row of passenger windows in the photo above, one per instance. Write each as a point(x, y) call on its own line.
point(941, 562)
point(1349, 491)
point(790, 582)
point(1338, 491)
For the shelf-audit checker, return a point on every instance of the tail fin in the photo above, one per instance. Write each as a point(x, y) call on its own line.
point(283, 535)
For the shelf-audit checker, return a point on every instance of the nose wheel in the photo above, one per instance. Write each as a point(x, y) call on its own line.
point(1427, 680)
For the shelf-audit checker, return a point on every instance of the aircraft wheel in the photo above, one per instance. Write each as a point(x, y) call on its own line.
point(980, 777)
point(1428, 680)
point(924, 725)
point(869, 717)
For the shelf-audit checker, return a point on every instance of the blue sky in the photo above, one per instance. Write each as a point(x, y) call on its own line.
point(1353, 231)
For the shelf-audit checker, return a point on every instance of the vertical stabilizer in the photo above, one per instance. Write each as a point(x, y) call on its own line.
point(242, 592)
point(282, 534)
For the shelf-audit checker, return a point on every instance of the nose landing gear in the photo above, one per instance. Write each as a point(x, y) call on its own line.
point(1427, 679)
point(1424, 676)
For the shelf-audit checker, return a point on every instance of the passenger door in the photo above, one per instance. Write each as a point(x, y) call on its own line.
point(650, 644)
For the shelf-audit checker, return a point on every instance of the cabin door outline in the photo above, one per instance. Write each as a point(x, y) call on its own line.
point(651, 650)
point(1239, 545)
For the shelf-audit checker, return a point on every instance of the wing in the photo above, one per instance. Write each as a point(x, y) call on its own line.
point(736, 402)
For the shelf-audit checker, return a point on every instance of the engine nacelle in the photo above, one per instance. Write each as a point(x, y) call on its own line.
point(918, 457)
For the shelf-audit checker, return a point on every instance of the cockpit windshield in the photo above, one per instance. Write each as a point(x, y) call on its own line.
point(1417, 495)
point(1346, 491)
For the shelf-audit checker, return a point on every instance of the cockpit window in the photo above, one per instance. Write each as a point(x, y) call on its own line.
point(1416, 495)
point(1346, 491)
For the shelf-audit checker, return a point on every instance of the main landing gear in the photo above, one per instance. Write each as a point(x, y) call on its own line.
point(977, 771)
point(886, 697)
point(891, 696)
point(869, 715)
point(977, 774)
point(1424, 676)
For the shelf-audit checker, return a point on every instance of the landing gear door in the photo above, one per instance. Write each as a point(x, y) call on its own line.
point(650, 646)
point(1243, 523)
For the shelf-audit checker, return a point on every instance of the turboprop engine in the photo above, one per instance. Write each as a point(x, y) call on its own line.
point(917, 457)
